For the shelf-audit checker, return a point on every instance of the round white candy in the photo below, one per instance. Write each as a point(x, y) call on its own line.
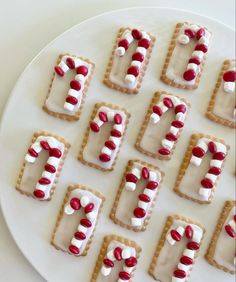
point(204, 193)
point(130, 186)
point(128, 36)
point(136, 221)
point(229, 87)
point(183, 39)
point(141, 50)
point(79, 77)
point(195, 161)
point(120, 51)
point(126, 253)
point(29, 158)
point(142, 205)
point(130, 79)
point(68, 210)
point(84, 201)
point(154, 118)
point(91, 215)
point(136, 64)
point(105, 270)
point(69, 106)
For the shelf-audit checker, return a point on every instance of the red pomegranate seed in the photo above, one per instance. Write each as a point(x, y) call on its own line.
point(186, 260)
point(190, 33)
point(177, 123)
point(144, 43)
point(229, 76)
point(229, 230)
point(189, 75)
point(70, 63)
point(118, 119)
point(171, 137)
point(39, 193)
point(75, 203)
point(104, 158)
point(86, 222)
point(145, 198)
point(212, 147)
point(74, 250)
point(201, 47)
point(117, 253)
point(189, 232)
point(133, 70)
point(168, 102)
point(124, 275)
point(124, 43)
point(45, 145)
point(74, 84)
point(108, 262)
point(136, 34)
point(164, 151)
point(94, 126)
point(82, 70)
point(201, 32)
point(219, 156)
point(79, 235)
point(139, 212)
point(110, 144)
point(235, 217)
point(152, 185)
point(179, 273)
point(195, 61)
point(198, 152)
point(44, 181)
point(89, 207)
point(54, 152)
point(33, 153)
point(138, 57)
point(115, 133)
point(131, 262)
point(145, 173)
point(103, 116)
point(130, 177)
point(50, 168)
point(180, 109)
point(59, 71)
point(193, 246)
point(215, 170)
point(157, 110)
point(207, 183)
point(175, 235)
point(72, 100)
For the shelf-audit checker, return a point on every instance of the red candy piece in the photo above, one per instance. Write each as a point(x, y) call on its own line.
point(189, 75)
point(59, 71)
point(50, 168)
point(44, 181)
point(124, 43)
point(72, 100)
point(171, 137)
point(115, 133)
point(198, 152)
point(190, 33)
point(110, 144)
point(89, 207)
point(79, 235)
point(201, 32)
point(144, 43)
point(201, 47)
point(103, 116)
point(145, 198)
point(229, 231)
point(70, 63)
point(179, 273)
point(74, 250)
point(138, 57)
point(212, 147)
point(189, 232)
point(164, 151)
point(180, 109)
point(157, 110)
point(219, 156)
point(195, 61)
point(82, 70)
point(94, 126)
point(54, 152)
point(133, 70)
point(152, 185)
point(186, 260)
point(124, 275)
point(139, 212)
point(33, 153)
point(145, 173)
point(131, 262)
point(175, 235)
point(108, 262)
point(104, 158)
point(207, 183)
point(131, 178)
point(229, 76)
point(75, 203)
point(177, 123)
point(214, 170)
point(235, 217)
point(136, 34)
point(45, 145)
point(39, 193)
point(117, 253)
point(118, 119)
point(74, 84)
point(168, 102)
point(86, 222)
point(193, 246)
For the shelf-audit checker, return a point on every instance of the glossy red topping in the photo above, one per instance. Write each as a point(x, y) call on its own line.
point(74, 250)
point(70, 63)
point(39, 193)
point(133, 70)
point(136, 34)
point(179, 273)
point(138, 57)
point(44, 145)
point(33, 153)
point(79, 235)
point(193, 246)
point(75, 203)
point(201, 47)
point(189, 232)
point(44, 181)
point(94, 126)
point(117, 253)
point(219, 156)
point(59, 71)
point(186, 260)
point(89, 208)
point(168, 102)
point(108, 262)
point(157, 110)
point(54, 152)
point(139, 212)
point(144, 43)
point(82, 70)
point(180, 109)
point(104, 158)
point(195, 61)
point(201, 32)
point(215, 170)
point(152, 185)
point(124, 43)
point(130, 177)
point(229, 76)
point(116, 133)
point(110, 144)
point(212, 147)
point(145, 173)
point(198, 152)
point(171, 137)
point(50, 168)
point(118, 119)
point(74, 84)
point(207, 183)
point(164, 151)
point(131, 262)
point(177, 123)
point(189, 75)
point(124, 275)
point(103, 116)
point(175, 235)
point(86, 222)
point(190, 33)
point(72, 100)
point(229, 231)
point(145, 198)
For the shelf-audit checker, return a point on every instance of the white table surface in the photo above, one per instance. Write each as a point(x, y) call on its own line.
point(26, 26)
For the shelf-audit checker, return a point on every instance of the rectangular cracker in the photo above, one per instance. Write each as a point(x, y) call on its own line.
point(172, 45)
point(170, 220)
point(87, 132)
point(214, 240)
point(210, 110)
point(103, 251)
point(77, 114)
point(61, 214)
point(186, 162)
point(22, 171)
point(113, 213)
point(112, 85)
point(144, 126)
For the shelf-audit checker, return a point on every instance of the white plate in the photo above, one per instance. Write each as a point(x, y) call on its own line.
point(31, 222)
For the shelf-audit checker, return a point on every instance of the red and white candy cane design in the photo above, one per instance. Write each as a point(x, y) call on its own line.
point(118, 254)
point(112, 144)
point(194, 234)
point(229, 79)
point(77, 84)
point(202, 36)
point(75, 204)
point(167, 102)
point(153, 179)
point(138, 57)
point(230, 228)
point(219, 151)
point(55, 150)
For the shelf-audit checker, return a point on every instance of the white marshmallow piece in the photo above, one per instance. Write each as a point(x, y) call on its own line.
point(53, 161)
point(91, 215)
point(183, 267)
point(189, 253)
point(130, 79)
point(204, 40)
point(69, 106)
point(77, 62)
point(198, 54)
point(29, 158)
point(120, 51)
point(136, 172)
point(77, 243)
point(220, 147)
point(176, 279)
point(143, 205)
point(82, 228)
point(180, 230)
point(152, 176)
point(192, 66)
point(98, 121)
point(81, 78)
point(146, 35)
point(183, 39)
point(110, 115)
point(114, 139)
point(47, 174)
point(136, 221)
point(136, 64)
point(229, 87)
point(216, 163)
point(37, 147)
point(174, 130)
point(167, 144)
point(105, 270)
point(204, 193)
point(181, 116)
point(141, 50)
point(197, 234)
point(68, 210)
point(130, 186)
point(170, 240)
point(110, 255)
point(73, 93)
point(195, 161)
point(126, 253)
point(128, 36)
point(118, 127)
point(106, 150)
point(154, 118)
point(84, 201)
point(63, 66)
point(150, 193)
point(212, 177)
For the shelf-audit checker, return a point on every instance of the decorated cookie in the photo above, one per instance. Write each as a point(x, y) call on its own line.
point(42, 166)
point(104, 136)
point(177, 250)
point(69, 86)
point(136, 195)
point(129, 60)
point(221, 251)
point(206, 168)
point(186, 56)
point(160, 132)
point(222, 108)
point(117, 260)
point(77, 220)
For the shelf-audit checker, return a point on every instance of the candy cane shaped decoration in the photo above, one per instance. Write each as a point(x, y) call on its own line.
point(42, 166)
point(70, 82)
point(175, 264)
point(104, 136)
point(221, 251)
point(129, 60)
point(181, 69)
point(116, 250)
point(136, 195)
point(150, 140)
point(201, 189)
point(221, 108)
point(81, 205)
